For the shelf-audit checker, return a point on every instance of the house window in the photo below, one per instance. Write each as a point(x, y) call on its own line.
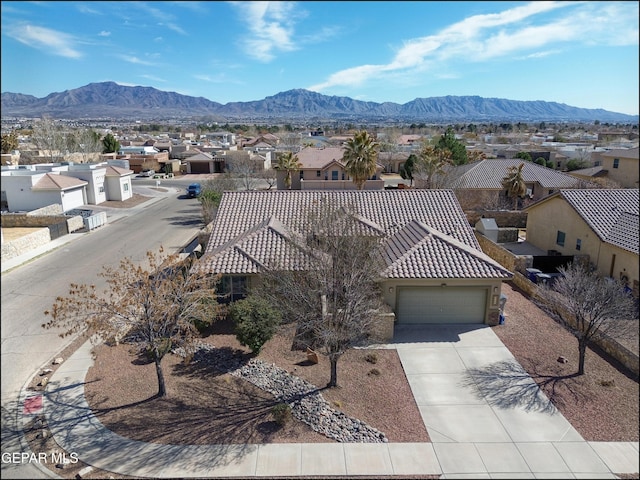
point(301, 174)
point(616, 162)
point(334, 174)
point(231, 288)
point(126, 187)
point(101, 188)
point(343, 175)
point(560, 238)
point(578, 244)
point(317, 173)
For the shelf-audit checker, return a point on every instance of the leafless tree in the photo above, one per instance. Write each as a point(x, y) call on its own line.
point(246, 171)
point(589, 306)
point(331, 289)
point(49, 136)
point(86, 142)
point(156, 307)
point(269, 175)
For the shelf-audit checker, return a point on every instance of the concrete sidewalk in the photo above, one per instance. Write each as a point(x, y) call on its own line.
point(485, 416)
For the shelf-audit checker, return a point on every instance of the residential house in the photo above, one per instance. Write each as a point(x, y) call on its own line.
point(118, 183)
point(324, 169)
point(479, 184)
point(601, 223)
point(622, 166)
point(143, 157)
point(27, 190)
point(435, 270)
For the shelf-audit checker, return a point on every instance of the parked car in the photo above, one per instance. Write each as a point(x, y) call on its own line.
point(193, 190)
point(148, 173)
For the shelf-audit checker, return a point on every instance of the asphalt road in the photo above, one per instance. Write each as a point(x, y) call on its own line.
point(27, 291)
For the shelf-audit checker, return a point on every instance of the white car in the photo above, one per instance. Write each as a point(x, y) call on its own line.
point(147, 173)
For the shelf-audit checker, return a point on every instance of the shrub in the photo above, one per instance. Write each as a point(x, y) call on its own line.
point(371, 357)
point(256, 321)
point(281, 413)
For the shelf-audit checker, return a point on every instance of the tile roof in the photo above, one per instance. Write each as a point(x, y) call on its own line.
point(488, 174)
point(54, 181)
point(611, 213)
point(113, 171)
point(316, 158)
point(425, 232)
point(418, 251)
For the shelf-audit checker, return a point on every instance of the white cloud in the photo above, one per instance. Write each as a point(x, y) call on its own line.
point(104, 33)
point(45, 39)
point(270, 26)
point(135, 60)
point(521, 31)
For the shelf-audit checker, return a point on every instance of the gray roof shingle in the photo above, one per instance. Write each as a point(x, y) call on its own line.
point(488, 174)
point(611, 213)
point(425, 232)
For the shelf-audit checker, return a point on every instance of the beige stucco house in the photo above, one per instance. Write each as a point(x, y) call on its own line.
point(435, 270)
point(323, 169)
point(600, 223)
point(622, 166)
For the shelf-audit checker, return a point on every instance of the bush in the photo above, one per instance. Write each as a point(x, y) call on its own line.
point(281, 413)
point(371, 357)
point(256, 321)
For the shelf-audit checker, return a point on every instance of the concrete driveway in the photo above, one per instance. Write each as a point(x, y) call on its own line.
point(485, 415)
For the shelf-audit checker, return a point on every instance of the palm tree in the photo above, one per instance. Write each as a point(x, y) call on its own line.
point(289, 163)
point(360, 157)
point(514, 183)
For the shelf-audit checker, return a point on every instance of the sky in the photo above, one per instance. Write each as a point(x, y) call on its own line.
point(582, 54)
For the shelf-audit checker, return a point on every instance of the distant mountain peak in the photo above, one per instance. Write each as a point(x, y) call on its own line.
point(112, 100)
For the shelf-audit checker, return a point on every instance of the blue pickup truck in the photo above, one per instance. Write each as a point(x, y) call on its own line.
point(193, 190)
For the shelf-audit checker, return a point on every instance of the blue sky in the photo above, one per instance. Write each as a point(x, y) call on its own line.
point(583, 54)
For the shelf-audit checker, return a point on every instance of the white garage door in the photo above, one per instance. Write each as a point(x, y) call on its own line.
point(441, 305)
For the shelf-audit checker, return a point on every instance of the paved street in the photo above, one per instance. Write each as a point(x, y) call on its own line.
point(30, 289)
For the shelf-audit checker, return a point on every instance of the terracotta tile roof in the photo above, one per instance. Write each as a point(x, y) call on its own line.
point(418, 251)
point(53, 181)
point(611, 213)
point(425, 232)
point(488, 174)
point(316, 158)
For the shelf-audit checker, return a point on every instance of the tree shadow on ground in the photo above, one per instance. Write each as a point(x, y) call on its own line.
point(507, 385)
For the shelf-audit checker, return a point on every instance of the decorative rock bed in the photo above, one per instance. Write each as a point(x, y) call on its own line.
point(306, 402)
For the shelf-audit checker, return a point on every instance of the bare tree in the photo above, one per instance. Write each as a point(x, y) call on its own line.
point(156, 308)
point(48, 136)
point(589, 306)
point(86, 142)
point(246, 171)
point(211, 194)
point(330, 290)
point(269, 175)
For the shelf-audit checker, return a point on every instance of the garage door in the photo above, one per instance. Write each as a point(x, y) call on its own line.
point(441, 305)
point(200, 167)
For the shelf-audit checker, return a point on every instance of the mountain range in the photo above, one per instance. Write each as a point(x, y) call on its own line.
point(111, 100)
